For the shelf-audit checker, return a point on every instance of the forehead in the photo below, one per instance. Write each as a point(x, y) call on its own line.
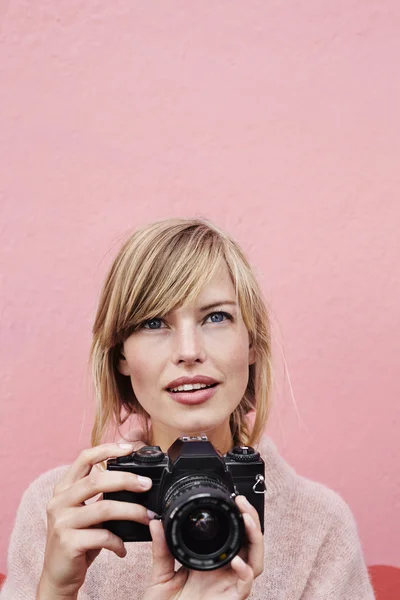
point(221, 278)
point(218, 290)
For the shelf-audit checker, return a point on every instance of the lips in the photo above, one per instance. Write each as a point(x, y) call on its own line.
point(191, 380)
point(195, 397)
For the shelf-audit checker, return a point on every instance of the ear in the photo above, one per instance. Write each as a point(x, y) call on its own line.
point(252, 354)
point(122, 365)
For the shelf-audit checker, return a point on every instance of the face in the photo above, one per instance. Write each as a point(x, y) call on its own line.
point(208, 338)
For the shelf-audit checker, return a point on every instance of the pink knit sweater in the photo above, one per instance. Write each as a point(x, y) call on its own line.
point(312, 549)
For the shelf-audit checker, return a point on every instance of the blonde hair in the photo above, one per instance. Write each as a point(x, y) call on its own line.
point(160, 267)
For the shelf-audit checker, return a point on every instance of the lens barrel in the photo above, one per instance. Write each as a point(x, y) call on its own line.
point(203, 527)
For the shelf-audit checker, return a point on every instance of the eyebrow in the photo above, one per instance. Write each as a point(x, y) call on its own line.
point(215, 304)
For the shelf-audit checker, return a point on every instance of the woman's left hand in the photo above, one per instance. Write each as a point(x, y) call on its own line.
point(231, 582)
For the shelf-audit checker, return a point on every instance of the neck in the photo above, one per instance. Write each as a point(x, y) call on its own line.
point(220, 437)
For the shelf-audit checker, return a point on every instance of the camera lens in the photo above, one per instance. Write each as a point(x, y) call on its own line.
point(205, 532)
point(203, 526)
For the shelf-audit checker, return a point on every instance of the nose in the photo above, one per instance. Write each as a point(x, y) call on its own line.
point(188, 347)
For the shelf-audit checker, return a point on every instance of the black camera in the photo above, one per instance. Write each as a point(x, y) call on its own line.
point(193, 493)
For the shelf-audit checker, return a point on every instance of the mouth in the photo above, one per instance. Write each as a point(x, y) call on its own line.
point(194, 388)
point(193, 396)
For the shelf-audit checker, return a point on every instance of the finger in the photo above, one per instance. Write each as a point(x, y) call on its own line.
point(245, 577)
point(245, 506)
point(163, 561)
point(254, 550)
point(80, 540)
point(106, 481)
point(88, 458)
point(105, 510)
point(255, 545)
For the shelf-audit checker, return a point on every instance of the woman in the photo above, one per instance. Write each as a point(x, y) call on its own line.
point(180, 305)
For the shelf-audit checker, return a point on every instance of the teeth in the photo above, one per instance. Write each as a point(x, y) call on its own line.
point(188, 387)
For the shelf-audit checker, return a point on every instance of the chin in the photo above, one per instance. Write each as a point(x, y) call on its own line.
point(198, 426)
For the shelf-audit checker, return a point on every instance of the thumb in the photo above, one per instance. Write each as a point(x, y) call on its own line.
point(163, 561)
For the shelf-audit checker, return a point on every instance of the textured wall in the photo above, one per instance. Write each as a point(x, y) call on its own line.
point(280, 121)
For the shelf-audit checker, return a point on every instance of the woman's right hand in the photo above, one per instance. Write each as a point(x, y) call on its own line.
point(74, 535)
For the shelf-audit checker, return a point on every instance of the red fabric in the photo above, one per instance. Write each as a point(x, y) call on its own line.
point(2, 578)
point(385, 581)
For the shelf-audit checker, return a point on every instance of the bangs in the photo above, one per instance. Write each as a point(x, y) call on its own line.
point(172, 273)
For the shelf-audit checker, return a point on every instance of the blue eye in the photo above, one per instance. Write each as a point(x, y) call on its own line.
point(157, 323)
point(220, 313)
point(150, 322)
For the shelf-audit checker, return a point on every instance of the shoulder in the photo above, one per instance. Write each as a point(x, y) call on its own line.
point(310, 531)
point(312, 507)
point(31, 516)
point(334, 528)
point(337, 568)
point(326, 502)
point(48, 480)
point(324, 511)
point(30, 522)
point(29, 532)
point(41, 489)
point(325, 523)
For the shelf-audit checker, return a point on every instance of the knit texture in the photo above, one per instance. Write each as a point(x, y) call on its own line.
point(312, 547)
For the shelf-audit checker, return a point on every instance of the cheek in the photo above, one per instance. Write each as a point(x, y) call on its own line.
point(144, 385)
point(143, 376)
point(237, 360)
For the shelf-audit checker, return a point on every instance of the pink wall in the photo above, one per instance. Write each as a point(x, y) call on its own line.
point(278, 120)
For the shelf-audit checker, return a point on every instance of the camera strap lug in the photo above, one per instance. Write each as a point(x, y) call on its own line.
point(260, 481)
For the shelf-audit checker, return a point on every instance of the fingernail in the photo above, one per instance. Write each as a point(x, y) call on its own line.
point(249, 520)
point(245, 502)
point(126, 446)
point(144, 482)
point(151, 514)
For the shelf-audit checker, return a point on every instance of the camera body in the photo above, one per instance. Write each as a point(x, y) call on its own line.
point(193, 493)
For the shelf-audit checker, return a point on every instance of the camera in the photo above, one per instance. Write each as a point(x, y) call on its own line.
point(193, 493)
